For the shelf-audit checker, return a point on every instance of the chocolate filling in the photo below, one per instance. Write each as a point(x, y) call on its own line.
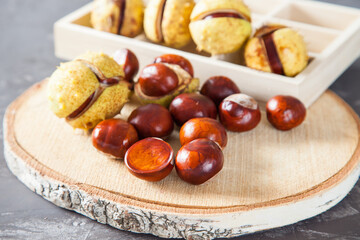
point(104, 83)
point(121, 4)
point(221, 14)
point(267, 40)
point(160, 19)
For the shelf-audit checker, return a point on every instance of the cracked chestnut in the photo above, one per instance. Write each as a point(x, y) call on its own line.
point(239, 113)
point(157, 80)
point(87, 90)
point(114, 137)
point(217, 88)
point(203, 128)
point(191, 105)
point(128, 60)
point(162, 81)
point(150, 159)
point(220, 27)
point(167, 22)
point(198, 161)
point(277, 49)
point(152, 120)
point(123, 17)
point(285, 112)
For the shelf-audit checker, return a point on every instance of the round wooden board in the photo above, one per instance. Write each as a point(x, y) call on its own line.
point(270, 178)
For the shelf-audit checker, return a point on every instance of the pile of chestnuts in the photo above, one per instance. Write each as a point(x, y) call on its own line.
point(216, 27)
point(140, 140)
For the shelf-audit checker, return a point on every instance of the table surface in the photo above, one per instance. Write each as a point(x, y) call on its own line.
point(27, 56)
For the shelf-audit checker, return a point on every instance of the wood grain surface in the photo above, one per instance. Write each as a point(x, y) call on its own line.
point(261, 166)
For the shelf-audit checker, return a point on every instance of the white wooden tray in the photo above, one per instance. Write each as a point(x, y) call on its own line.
point(332, 34)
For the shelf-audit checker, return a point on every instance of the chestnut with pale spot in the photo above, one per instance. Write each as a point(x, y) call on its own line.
point(152, 120)
point(178, 60)
point(239, 113)
point(203, 128)
point(285, 112)
point(150, 159)
point(198, 161)
point(114, 137)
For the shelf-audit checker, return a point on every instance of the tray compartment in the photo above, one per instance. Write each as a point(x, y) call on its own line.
point(317, 39)
point(263, 6)
point(319, 14)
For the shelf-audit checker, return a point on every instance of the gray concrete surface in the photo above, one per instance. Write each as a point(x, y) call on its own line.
point(27, 56)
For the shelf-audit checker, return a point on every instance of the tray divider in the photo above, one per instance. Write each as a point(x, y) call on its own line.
point(279, 8)
point(344, 36)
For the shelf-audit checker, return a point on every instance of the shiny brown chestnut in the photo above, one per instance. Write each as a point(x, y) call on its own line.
point(191, 105)
point(114, 137)
point(285, 112)
point(152, 120)
point(203, 128)
point(239, 113)
point(198, 161)
point(178, 60)
point(217, 88)
point(129, 61)
point(158, 80)
point(150, 159)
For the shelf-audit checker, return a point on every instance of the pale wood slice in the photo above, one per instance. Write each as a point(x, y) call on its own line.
point(270, 178)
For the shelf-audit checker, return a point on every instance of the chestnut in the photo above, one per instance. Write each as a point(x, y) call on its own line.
point(152, 120)
point(128, 60)
point(178, 60)
point(114, 137)
point(150, 159)
point(217, 88)
point(277, 49)
point(220, 27)
point(157, 80)
point(191, 105)
point(285, 112)
point(87, 90)
point(239, 113)
point(162, 81)
point(123, 17)
point(198, 161)
point(167, 22)
point(203, 128)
